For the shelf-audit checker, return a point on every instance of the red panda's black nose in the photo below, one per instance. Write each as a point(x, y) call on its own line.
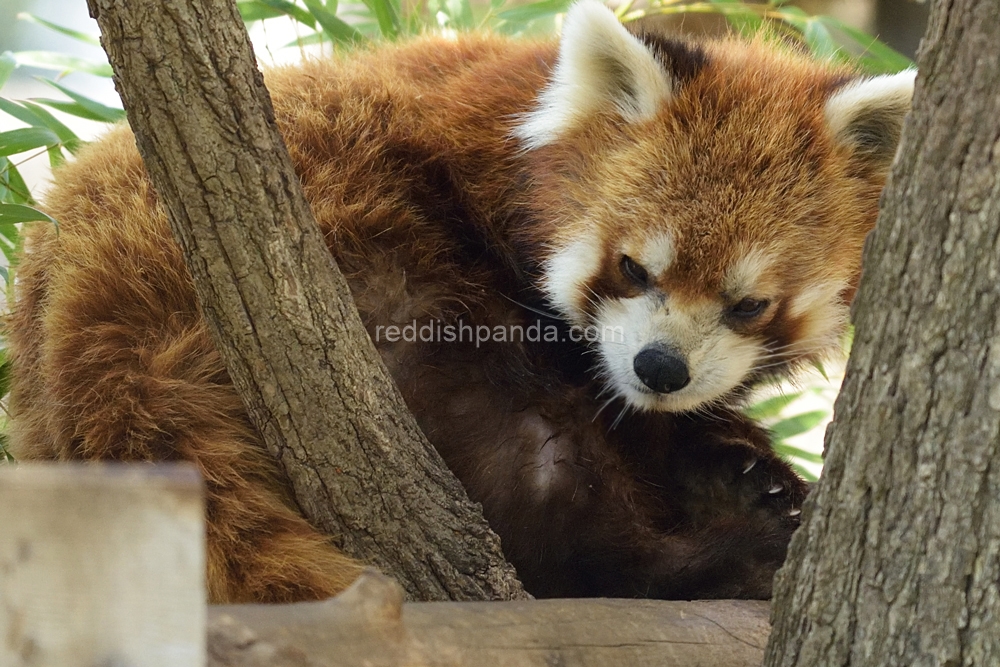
point(661, 369)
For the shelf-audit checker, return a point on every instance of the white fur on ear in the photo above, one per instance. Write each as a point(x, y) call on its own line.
point(600, 65)
point(868, 113)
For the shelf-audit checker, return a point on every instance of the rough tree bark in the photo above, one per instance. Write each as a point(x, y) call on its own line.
point(898, 560)
point(278, 308)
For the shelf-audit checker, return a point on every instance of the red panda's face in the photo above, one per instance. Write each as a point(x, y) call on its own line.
point(706, 207)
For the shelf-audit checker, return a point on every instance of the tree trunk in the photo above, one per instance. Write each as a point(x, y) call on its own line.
point(898, 559)
point(278, 308)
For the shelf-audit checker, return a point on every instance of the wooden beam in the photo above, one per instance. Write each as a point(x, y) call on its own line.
point(101, 566)
point(369, 625)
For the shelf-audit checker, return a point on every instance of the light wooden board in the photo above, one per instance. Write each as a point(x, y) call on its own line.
point(101, 566)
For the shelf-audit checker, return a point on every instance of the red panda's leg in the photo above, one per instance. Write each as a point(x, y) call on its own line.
point(578, 518)
point(581, 523)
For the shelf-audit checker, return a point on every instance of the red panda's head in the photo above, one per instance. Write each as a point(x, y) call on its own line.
point(703, 207)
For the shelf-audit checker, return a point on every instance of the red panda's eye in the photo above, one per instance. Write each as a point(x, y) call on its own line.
point(634, 271)
point(749, 308)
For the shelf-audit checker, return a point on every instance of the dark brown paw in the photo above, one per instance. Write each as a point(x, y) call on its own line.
point(771, 485)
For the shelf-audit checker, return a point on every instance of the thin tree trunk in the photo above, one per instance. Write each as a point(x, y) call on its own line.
point(278, 308)
point(898, 560)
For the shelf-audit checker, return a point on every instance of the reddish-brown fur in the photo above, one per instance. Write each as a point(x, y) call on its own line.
point(433, 213)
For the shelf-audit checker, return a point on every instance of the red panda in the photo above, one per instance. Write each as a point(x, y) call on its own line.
point(683, 218)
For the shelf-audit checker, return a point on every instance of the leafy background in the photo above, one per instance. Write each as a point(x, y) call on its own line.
point(49, 127)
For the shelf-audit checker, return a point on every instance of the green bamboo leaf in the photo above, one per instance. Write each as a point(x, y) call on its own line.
point(8, 63)
point(387, 17)
point(460, 13)
point(63, 63)
point(291, 9)
point(370, 30)
point(787, 13)
point(361, 21)
point(13, 189)
point(336, 28)
point(9, 235)
point(534, 11)
point(5, 376)
point(71, 108)
point(742, 17)
point(81, 106)
point(254, 10)
point(15, 109)
point(75, 34)
point(5, 195)
point(439, 13)
point(797, 453)
point(803, 423)
point(14, 213)
point(5, 455)
point(308, 40)
point(56, 157)
point(818, 366)
point(794, 17)
point(770, 408)
point(804, 473)
point(876, 56)
point(69, 139)
point(10, 242)
point(34, 115)
point(24, 139)
point(820, 40)
point(848, 341)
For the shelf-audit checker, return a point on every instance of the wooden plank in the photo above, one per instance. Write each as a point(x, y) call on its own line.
point(101, 566)
point(369, 625)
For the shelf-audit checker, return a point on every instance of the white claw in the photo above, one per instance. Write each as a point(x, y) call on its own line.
point(750, 466)
point(777, 488)
point(795, 512)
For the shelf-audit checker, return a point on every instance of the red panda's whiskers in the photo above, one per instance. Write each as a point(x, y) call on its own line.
point(798, 352)
point(781, 362)
point(621, 415)
point(531, 308)
point(601, 409)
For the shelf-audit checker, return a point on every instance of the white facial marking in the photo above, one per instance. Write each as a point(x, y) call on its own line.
point(566, 274)
point(824, 318)
point(744, 276)
point(717, 358)
point(600, 64)
point(657, 254)
point(814, 297)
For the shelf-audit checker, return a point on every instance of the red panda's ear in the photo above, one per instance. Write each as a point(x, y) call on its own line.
point(867, 115)
point(600, 66)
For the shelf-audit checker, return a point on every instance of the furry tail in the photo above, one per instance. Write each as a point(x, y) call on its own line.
point(113, 362)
